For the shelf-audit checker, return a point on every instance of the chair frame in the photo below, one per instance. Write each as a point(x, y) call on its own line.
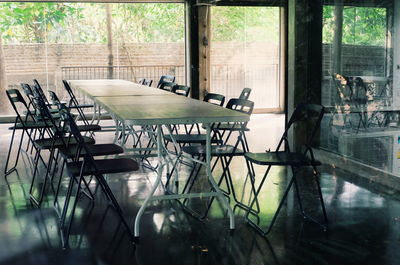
point(284, 141)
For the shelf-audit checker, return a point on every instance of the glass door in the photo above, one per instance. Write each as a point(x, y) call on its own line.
point(246, 51)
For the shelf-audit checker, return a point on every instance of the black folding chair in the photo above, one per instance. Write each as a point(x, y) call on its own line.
point(29, 125)
point(166, 79)
point(195, 138)
point(40, 91)
point(181, 90)
point(83, 165)
point(167, 86)
point(223, 152)
point(145, 82)
point(86, 126)
point(245, 94)
point(55, 139)
point(310, 116)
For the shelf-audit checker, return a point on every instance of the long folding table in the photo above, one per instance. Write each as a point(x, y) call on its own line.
point(134, 104)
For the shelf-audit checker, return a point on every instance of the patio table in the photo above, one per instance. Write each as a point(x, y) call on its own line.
point(149, 106)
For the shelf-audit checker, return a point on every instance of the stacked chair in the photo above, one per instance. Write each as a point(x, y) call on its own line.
point(52, 127)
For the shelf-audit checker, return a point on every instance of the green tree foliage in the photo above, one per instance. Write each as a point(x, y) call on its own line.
point(30, 22)
point(86, 22)
point(245, 24)
point(361, 25)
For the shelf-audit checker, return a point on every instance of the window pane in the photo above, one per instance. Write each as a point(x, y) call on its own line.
point(56, 41)
point(245, 52)
point(358, 86)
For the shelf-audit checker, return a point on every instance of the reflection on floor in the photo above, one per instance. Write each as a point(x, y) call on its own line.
point(364, 222)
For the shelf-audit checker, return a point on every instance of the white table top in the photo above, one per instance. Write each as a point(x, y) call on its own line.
point(153, 107)
point(113, 88)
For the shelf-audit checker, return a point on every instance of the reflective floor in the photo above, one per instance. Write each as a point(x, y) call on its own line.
point(364, 220)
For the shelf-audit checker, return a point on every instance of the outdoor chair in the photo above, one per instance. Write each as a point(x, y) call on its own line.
point(309, 116)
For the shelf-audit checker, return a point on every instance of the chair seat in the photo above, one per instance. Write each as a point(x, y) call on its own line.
point(29, 125)
point(104, 166)
point(216, 150)
point(228, 127)
point(95, 150)
point(190, 138)
point(47, 143)
point(82, 106)
point(280, 159)
point(89, 128)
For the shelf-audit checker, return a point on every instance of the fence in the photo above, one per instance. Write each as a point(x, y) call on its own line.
point(130, 73)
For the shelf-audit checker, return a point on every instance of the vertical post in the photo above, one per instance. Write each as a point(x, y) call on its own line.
point(336, 66)
point(193, 24)
point(204, 32)
point(109, 42)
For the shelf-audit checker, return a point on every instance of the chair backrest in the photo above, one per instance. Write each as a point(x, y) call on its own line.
point(245, 94)
point(74, 102)
point(181, 90)
point(54, 98)
point(46, 115)
point(307, 115)
point(166, 79)
point(359, 91)
point(343, 89)
point(216, 99)
point(28, 93)
point(69, 125)
point(145, 81)
point(16, 99)
point(40, 90)
point(167, 86)
point(242, 105)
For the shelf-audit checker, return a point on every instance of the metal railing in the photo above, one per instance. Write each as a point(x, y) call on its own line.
point(127, 72)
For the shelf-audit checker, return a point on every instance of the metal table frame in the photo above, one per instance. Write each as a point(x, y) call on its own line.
point(192, 116)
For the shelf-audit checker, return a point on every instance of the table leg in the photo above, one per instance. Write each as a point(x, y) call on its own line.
point(156, 183)
point(220, 195)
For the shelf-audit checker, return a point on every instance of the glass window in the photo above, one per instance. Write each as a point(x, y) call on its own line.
point(246, 52)
point(56, 41)
point(358, 74)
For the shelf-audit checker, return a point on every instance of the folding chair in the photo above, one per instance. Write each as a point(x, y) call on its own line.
point(166, 79)
point(69, 151)
point(29, 125)
point(84, 165)
point(245, 94)
point(86, 127)
point(145, 82)
point(40, 91)
point(195, 138)
point(55, 139)
point(224, 152)
point(167, 86)
point(73, 103)
point(181, 90)
point(310, 116)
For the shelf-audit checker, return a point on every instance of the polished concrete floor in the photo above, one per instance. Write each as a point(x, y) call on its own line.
point(364, 220)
